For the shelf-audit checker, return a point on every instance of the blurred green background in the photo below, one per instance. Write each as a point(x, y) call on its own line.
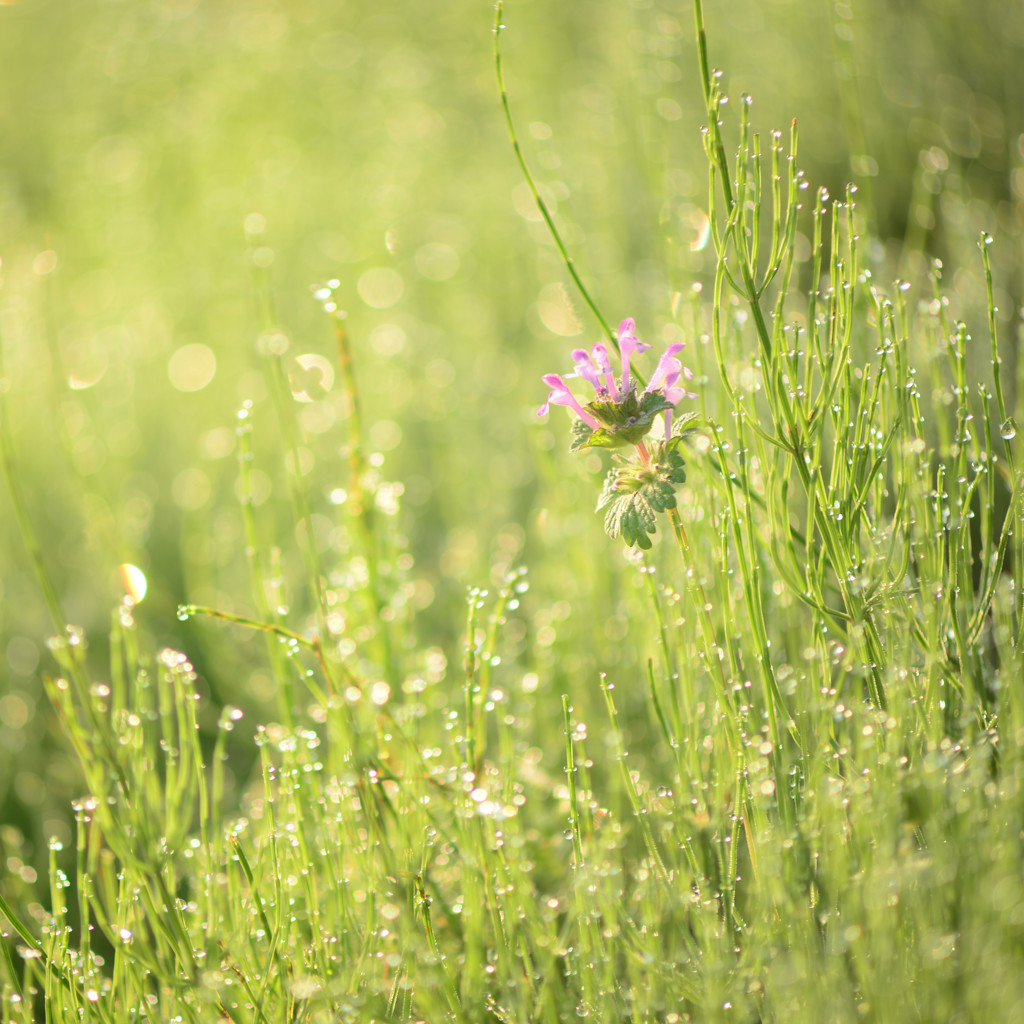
point(153, 151)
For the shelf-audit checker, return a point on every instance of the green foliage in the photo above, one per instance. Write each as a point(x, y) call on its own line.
point(635, 492)
point(766, 769)
point(626, 423)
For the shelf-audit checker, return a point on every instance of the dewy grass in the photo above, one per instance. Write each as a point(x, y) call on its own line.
point(795, 795)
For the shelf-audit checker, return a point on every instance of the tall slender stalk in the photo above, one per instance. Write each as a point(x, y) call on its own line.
point(567, 260)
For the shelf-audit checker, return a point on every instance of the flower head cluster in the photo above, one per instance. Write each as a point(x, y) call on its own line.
point(619, 415)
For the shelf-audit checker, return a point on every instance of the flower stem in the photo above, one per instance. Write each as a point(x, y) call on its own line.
point(712, 647)
point(541, 205)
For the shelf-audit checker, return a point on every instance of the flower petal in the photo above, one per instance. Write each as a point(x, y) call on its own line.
point(585, 367)
point(561, 395)
point(668, 364)
point(629, 345)
point(676, 395)
point(599, 354)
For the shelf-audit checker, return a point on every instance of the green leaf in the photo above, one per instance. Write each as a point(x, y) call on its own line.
point(623, 423)
point(679, 421)
point(599, 438)
point(581, 433)
point(634, 493)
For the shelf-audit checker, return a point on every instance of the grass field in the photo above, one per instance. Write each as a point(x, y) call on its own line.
point(324, 693)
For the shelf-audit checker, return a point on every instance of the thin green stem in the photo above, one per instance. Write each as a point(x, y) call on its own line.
point(538, 199)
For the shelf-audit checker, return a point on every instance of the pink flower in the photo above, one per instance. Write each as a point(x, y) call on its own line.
point(628, 346)
point(596, 369)
point(666, 375)
point(590, 366)
point(667, 372)
point(561, 395)
point(621, 418)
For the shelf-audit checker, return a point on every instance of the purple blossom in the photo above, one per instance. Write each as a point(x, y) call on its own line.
point(599, 356)
point(667, 372)
point(596, 369)
point(675, 395)
point(628, 346)
point(561, 395)
point(586, 368)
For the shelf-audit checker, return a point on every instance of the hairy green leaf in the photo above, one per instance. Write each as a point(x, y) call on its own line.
point(635, 492)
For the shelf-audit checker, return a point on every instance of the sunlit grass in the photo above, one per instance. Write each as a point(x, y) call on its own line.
point(768, 771)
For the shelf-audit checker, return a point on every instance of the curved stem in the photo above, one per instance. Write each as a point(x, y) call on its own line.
point(712, 647)
point(541, 205)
